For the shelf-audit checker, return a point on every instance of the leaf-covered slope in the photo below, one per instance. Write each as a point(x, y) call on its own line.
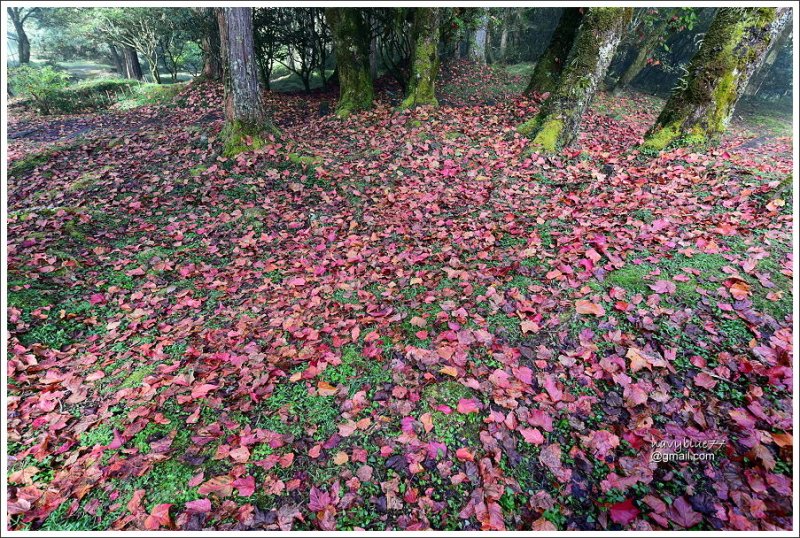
point(397, 321)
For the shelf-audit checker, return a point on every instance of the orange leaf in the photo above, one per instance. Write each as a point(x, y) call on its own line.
point(588, 307)
point(326, 389)
point(449, 370)
point(740, 290)
point(158, 518)
point(427, 421)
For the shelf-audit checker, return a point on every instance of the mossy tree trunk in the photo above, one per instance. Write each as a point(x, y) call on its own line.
point(761, 73)
point(421, 89)
point(557, 123)
point(651, 39)
point(247, 122)
point(351, 45)
point(550, 65)
point(373, 57)
point(733, 48)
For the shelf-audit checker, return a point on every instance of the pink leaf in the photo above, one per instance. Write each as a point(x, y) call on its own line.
point(532, 436)
point(200, 506)
point(470, 405)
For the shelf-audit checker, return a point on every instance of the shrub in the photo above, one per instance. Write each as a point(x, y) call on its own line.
point(91, 94)
point(41, 84)
point(147, 94)
point(51, 92)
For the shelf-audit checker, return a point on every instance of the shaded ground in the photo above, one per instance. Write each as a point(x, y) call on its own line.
point(398, 321)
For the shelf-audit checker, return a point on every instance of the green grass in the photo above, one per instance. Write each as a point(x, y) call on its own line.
point(357, 372)
point(30, 162)
point(630, 277)
point(91, 94)
point(283, 80)
point(149, 94)
point(100, 434)
point(502, 324)
point(167, 482)
point(521, 69)
point(104, 92)
point(635, 278)
point(154, 431)
point(55, 332)
point(80, 521)
point(455, 429)
point(306, 411)
point(136, 377)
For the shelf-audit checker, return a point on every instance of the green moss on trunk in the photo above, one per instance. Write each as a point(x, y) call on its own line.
point(425, 62)
point(239, 136)
point(549, 66)
point(351, 45)
point(548, 136)
point(557, 123)
point(247, 121)
point(733, 48)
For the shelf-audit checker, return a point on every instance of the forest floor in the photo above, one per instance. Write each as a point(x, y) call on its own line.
point(397, 321)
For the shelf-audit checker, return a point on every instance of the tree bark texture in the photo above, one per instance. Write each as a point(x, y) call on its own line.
point(480, 39)
point(425, 58)
point(557, 123)
point(23, 43)
point(246, 117)
point(761, 74)
point(646, 48)
point(210, 43)
point(733, 48)
point(119, 64)
point(351, 46)
point(133, 69)
point(549, 67)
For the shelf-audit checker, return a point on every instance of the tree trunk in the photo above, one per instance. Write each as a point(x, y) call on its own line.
point(334, 78)
point(212, 63)
point(761, 74)
point(557, 123)
point(266, 74)
point(133, 69)
point(373, 57)
point(154, 74)
point(490, 58)
point(733, 48)
point(504, 39)
point(351, 46)
point(644, 52)
point(247, 122)
point(23, 44)
point(119, 64)
point(478, 49)
point(550, 65)
point(425, 59)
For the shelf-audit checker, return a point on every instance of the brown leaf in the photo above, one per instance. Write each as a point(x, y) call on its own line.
point(220, 485)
